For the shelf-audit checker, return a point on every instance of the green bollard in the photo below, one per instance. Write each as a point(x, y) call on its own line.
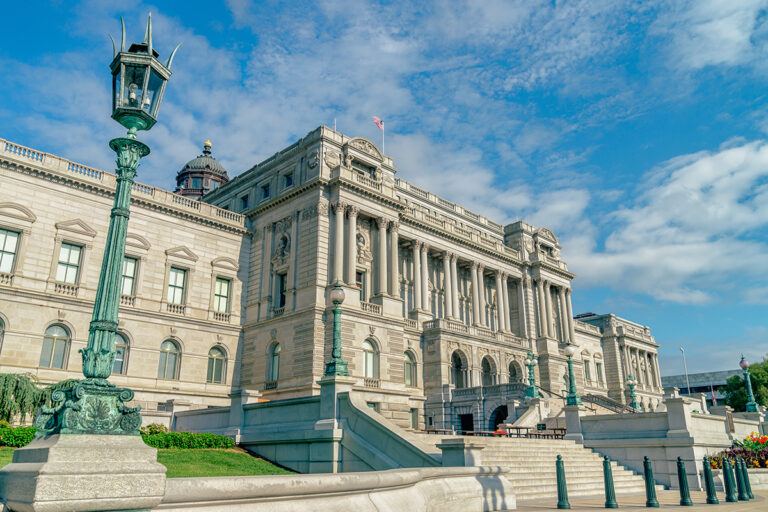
point(740, 481)
point(747, 484)
point(610, 492)
point(682, 479)
point(743, 468)
point(562, 489)
point(709, 483)
point(650, 484)
point(730, 484)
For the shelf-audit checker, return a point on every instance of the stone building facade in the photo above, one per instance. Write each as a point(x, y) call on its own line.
point(442, 304)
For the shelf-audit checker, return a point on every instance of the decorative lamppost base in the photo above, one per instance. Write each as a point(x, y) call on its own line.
point(66, 472)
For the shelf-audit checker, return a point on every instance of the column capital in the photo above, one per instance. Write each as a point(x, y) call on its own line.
point(382, 222)
point(339, 206)
point(424, 247)
point(395, 225)
point(475, 266)
point(353, 211)
point(447, 255)
point(454, 258)
point(416, 245)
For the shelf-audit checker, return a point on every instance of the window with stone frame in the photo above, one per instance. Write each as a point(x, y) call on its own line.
point(370, 360)
point(282, 281)
point(55, 347)
point(221, 293)
point(9, 245)
point(217, 362)
point(273, 371)
point(587, 370)
point(170, 357)
point(68, 268)
point(410, 369)
point(360, 283)
point(599, 372)
point(177, 282)
point(121, 354)
point(414, 418)
point(130, 265)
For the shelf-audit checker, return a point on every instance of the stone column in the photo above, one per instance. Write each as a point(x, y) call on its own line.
point(569, 309)
point(475, 296)
point(394, 260)
point(455, 285)
point(481, 294)
point(564, 329)
point(416, 278)
point(548, 315)
point(382, 224)
point(656, 371)
point(425, 277)
point(352, 212)
point(505, 303)
point(266, 291)
point(447, 287)
point(524, 282)
point(500, 325)
point(338, 242)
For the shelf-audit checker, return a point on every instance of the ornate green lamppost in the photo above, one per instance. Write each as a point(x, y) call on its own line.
point(573, 397)
point(94, 405)
point(632, 382)
point(532, 391)
point(336, 366)
point(751, 403)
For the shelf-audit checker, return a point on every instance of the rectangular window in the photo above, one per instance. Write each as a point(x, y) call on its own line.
point(244, 202)
point(176, 284)
point(414, 416)
point(69, 263)
point(197, 182)
point(373, 406)
point(129, 276)
point(587, 371)
point(265, 191)
point(221, 295)
point(9, 243)
point(282, 280)
point(599, 371)
point(360, 283)
point(213, 185)
point(289, 180)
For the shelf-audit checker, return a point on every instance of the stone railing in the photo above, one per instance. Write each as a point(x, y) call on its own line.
point(411, 323)
point(370, 182)
point(221, 317)
point(6, 279)
point(176, 309)
point(448, 325)
point(371, 383)
point(466, 392)
point(66, 289)
point(371, 308)
point(608, 403)
point(127, 300)
point(592, 329)
point(270, 384)
point(62, 166)
point(278, 311)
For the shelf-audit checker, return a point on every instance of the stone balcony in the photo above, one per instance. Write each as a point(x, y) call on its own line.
point(448, 326)
point(503, 391)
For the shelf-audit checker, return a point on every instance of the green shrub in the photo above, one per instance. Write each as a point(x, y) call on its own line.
point(187, 440)
point(16, 436)
point(153, 428)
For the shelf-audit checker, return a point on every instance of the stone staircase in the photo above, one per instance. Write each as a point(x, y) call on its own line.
point(530, 465)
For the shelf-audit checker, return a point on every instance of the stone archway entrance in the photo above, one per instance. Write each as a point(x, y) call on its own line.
point(498, 416)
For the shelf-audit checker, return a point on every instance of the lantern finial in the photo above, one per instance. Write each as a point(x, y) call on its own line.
point(170, 59)
point(122, 43)
point(114, 48)
point(148, 34)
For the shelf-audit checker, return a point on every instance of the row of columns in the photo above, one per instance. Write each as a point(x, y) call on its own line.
point(648, 379)
point(555, 319)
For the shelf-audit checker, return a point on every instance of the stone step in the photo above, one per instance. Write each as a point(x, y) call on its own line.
point(552, 495)
point(548, 472)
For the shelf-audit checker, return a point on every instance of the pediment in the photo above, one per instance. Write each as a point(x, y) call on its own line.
point(225, 263)
point(366, 146)
point(181, 252)
point(17, 211)
point(76, 226)
point(547, 234)
point(137, 242)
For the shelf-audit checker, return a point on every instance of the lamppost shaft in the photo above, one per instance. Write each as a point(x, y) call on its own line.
point(573, 396)
point(99, 354)
point(751, 403)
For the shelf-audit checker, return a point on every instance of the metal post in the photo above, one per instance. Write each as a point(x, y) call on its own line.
point(532, 391)
point(650, 484)
point(709, 483)
point(573, 395)
point(685, 368)
point(730, 483)
point(610, 492)
point(682, 479)
point(740, 481)
point(337, 365)
point(751, 403)
point(747, 484)
point(562, 489)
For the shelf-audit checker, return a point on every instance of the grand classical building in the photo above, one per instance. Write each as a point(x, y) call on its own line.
point(230, 292)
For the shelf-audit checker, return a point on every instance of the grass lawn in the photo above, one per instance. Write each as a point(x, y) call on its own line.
point(191, 463)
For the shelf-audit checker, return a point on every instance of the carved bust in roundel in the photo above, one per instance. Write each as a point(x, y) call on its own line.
point(282, 250)
point(363, 249)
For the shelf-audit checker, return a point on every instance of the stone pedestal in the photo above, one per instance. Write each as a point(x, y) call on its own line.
point(325, 456)
point(461, 452)
point(573, 414)
point(81, 472)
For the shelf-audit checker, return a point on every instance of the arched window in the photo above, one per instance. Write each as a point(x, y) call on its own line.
point(217, 362)
point(410, 369)
point(488, 372)
point(121, 354)
point(370, 360)
point(170, 356)
point(514, 375)
point(458, 370)
point(273, 372)
point(55, 345)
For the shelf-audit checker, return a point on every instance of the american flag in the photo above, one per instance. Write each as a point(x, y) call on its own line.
point(379, 123)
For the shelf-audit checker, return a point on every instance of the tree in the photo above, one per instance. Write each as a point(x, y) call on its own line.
point(21, 395)
point(736, 390)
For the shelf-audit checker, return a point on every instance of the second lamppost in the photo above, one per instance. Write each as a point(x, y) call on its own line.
point(573, 396)
point(751, 403)
point(337, 365)
point(531, 391)
point(631, 382)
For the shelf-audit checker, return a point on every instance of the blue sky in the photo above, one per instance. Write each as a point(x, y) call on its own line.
point(637, 131)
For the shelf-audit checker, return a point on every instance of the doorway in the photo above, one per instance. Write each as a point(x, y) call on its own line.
point(466, 422)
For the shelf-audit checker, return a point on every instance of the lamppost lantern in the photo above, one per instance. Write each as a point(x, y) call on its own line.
point(138, 82)
point(532, 391)
point(337, 294)
point(571, 350)
point(632, 382)
point(743, 364)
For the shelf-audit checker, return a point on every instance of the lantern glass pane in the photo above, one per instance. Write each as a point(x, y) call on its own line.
point(115, 89)
point(152, 95)
point(133, 82)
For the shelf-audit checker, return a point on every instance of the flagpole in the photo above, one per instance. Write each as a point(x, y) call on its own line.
point(382, 137)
